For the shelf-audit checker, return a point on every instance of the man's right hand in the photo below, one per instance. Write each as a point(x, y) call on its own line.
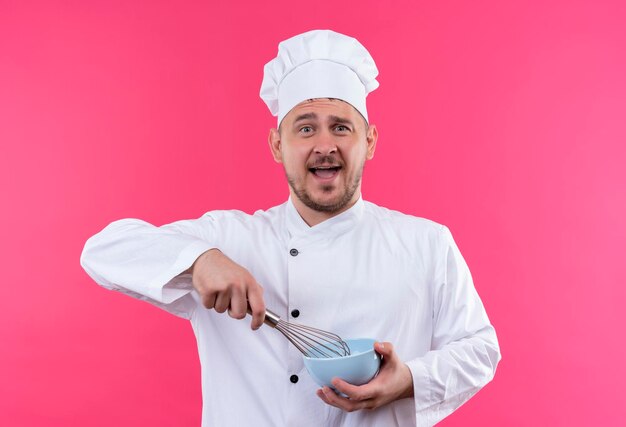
point(225, 285)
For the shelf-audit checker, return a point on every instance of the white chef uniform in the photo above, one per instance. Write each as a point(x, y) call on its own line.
point(367, 272)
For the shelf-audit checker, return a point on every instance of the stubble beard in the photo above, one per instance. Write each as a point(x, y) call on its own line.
point(349, 190)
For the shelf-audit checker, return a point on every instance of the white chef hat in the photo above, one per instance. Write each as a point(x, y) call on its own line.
point(318, 64)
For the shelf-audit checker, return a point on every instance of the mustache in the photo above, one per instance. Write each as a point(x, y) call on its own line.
point(327, 161)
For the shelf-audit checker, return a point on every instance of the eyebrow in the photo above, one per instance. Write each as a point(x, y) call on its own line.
point(305, 116)
point(313, 116)
point(340, 120)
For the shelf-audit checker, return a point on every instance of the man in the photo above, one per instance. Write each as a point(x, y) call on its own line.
point(325, 257)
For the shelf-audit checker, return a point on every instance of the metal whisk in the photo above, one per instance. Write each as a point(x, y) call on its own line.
point(310, 341)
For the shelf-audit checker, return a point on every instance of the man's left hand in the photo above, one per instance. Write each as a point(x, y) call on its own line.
point(393, 382)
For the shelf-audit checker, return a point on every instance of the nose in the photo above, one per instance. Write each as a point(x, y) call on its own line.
point(325, 144)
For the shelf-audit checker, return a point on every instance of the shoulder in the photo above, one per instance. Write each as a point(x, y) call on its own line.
point(402, 222)
point(406, 236)
point(411, 233)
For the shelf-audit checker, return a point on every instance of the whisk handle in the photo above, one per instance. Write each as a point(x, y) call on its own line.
point(271, 318)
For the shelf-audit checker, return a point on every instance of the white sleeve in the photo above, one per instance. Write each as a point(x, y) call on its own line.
point(144, 261)
point(464, 351)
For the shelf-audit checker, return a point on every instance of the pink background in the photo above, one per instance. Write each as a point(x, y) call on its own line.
point(503, 120)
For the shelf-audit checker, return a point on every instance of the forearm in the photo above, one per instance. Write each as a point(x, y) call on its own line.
point(190, 270)
point(139, 257)
point(447, 377)
point(464, 347)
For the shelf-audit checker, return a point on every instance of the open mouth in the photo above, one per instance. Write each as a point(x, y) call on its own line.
point(325, 172)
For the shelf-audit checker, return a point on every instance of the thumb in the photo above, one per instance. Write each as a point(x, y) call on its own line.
point(385, 349)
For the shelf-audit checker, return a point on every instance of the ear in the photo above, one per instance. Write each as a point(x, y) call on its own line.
point(372, 138)
point(275, 146)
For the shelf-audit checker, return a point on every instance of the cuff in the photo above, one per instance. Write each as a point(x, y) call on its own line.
point(422, 386)
point(167, 287)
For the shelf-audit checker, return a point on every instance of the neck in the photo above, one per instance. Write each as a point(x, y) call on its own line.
point(313, 217)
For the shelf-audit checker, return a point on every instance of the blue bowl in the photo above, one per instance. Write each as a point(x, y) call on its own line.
point(359, 368)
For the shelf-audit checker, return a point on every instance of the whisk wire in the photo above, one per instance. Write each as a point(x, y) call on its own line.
point(314, 342)
point(311, 342)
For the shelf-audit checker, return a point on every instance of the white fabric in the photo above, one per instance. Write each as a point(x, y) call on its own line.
point(318, 64)
point(368, 272)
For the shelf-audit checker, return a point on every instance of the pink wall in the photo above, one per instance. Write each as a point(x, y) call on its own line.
point(503, 120)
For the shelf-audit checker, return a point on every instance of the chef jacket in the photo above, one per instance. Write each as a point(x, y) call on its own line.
point(367, 272)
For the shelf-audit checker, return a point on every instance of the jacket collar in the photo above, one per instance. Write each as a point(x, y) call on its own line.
point(334, 226)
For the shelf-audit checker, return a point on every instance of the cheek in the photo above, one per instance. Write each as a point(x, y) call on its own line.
point(294, 161)
point(356, 156)
point(295, 155)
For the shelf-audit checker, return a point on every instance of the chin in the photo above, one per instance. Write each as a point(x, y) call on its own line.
point(330, 197)
point(328, 204)
point(327, 200)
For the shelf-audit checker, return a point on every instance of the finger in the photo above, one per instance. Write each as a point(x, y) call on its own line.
point(238, 305)
point(208, 300)
point(320, 393)
point(354, 392)
point(322, 396)
point(385, 349)
point(257, 305)
point(341, 402)
point(333, 399)
point(222, 301)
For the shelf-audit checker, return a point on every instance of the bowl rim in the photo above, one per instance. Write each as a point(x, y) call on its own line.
point(328, 359)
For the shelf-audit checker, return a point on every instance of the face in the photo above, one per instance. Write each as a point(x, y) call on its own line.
point(323, 145)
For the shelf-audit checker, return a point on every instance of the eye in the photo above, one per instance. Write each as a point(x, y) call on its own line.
point(306, 129)
point(342, 128)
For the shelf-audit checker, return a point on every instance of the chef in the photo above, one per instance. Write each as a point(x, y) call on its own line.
point(325, 258)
